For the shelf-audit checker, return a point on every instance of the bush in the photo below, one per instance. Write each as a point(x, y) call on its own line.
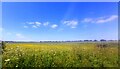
point(102, 45)
point(3, 46)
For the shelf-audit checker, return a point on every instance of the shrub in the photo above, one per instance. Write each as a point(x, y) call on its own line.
point(3, 46)
point(102, 45)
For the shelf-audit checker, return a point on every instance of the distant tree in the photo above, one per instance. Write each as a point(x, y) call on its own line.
point(102, 45)
point(111, 40)
point(102, 40)
point(95, 40)
point(86, 40)
point(90, 40)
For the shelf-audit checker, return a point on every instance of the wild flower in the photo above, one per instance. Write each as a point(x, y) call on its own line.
point(54, 54)
point(52, 50)
point(17, 46)
point(7, 60)
point(58, 55)
point(17, 58)
point(16, 66)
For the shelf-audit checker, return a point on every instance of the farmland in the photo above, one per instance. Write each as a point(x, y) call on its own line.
point(60, 55)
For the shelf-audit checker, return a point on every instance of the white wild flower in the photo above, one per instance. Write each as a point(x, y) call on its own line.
point(16, 66)
point(7, 60)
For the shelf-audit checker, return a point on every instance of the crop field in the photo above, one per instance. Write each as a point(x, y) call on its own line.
point(60, 55)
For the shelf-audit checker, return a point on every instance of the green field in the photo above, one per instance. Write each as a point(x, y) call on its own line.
point(60, 55)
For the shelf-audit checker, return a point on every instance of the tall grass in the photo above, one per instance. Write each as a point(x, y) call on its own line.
point(59, 55)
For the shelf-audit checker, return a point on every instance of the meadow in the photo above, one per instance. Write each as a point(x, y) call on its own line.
point(60, 55)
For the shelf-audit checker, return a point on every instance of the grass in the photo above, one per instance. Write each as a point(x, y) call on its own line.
point(59, 55)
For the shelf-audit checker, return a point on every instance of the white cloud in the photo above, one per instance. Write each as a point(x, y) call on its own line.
point(100, 19)
point(54, 26)
point(18, 35)
point(37, 23)
point(87, 20)
point(34, 26)
point(71, 23)
point(111, 18)
point(30, 22)
point(25, 26)
point(46, 23)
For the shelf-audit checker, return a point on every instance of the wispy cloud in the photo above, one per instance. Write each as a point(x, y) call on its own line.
point(100, 19)
point(37, 24)
point(46, 24)
point(34, 26)
point(87, 20)
point(54, 26)
point(72, 23)
point(25, 26)
point(18, 35)
point(111, 18)
point(30, 22)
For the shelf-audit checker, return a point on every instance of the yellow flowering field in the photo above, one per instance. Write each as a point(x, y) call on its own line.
point(59, 55)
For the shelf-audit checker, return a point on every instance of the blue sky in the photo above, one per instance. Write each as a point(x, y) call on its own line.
point(60, 0)
point(59, 21)
point(0, 20)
